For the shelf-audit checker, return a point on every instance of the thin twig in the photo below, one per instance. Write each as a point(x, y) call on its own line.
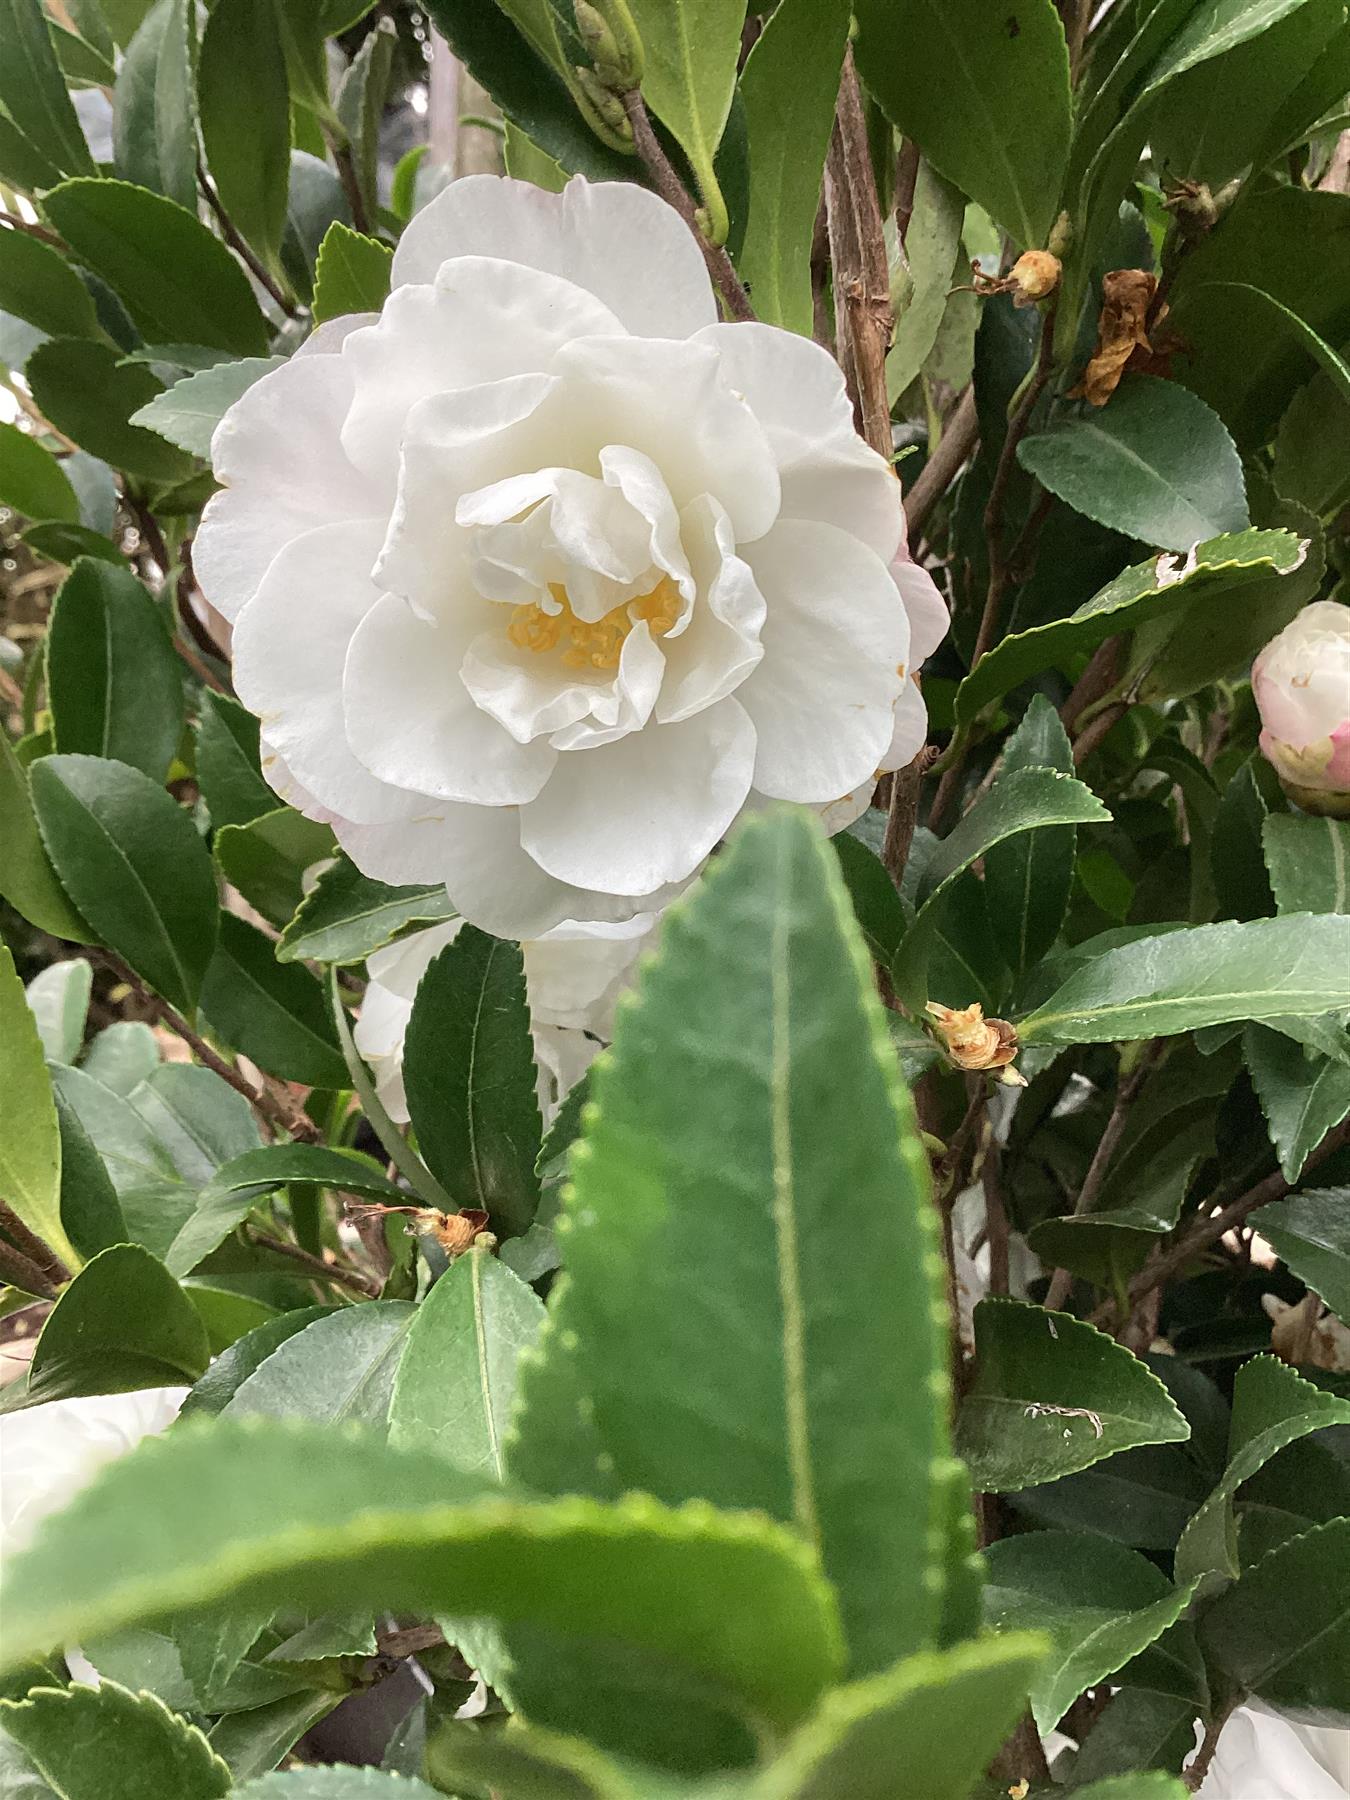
point(20, 1271)
point(1194, 1777)
point(231, 236)
point(673, 191)
point(31, 1247)
point(321, 1270)
point(351, 186)
point(1096, 729)
point(959, 437)
point(31, 228)
point(996, 1217)
point(1096, 681)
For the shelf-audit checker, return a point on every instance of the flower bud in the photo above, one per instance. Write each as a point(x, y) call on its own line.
point(1302, 685)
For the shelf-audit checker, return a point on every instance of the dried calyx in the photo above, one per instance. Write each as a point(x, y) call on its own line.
point(975, 1043)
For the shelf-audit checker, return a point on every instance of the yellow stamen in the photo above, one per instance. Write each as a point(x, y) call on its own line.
point(593, 643)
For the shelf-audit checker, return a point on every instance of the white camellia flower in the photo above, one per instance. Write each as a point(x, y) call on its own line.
point(1302, 685)
point(573, 975)
point(1263, 1756)
point(544, 574)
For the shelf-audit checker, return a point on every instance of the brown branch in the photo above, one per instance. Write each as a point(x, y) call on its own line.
point(231, 236)
point(341, 154)
point(1096, 729)
point(1193, 1779)
point(673, 191)
point(21, 1272)
point(32, 1248)
point(959, 437)
point(316, 1266)
point(996, 1217)
point(864, 318)
point(1094, 684)
point(32, 229)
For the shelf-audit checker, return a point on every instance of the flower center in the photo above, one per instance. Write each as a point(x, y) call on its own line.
point(592, 643)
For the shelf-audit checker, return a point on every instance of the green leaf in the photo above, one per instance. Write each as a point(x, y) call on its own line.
point(1283, 1631)
point(468, 1069)
point(352, 274)
point(273, 1012)
point(1027, 878)
point(131, 860)
point(31, 479)
point(346, 915)
point(338, 1370)
point(255, 1741)
point(922, 289)
point(58, 998)
point(1151, 1785)
point(789, 86)
point(187, 413)
point(1051, 1395)
point(1022, 799)
point(360, 106)
point(178, 282)
point(21, 162)
point(27, 879)
point(271, 1511)
point(122, 1055)
point(1302, 1094)
point(863, 1735)
point(752, 1078)
point(227, 762)
point(105, 1743)
point(261, 1172)
point(39, 285)
point(1311, 1233)
point(1206, 975)
point(1312, 447)
point(338, 1782)
point(690, 51)
point(123, 1323)
point(113, 681)
point(244, 99)
point(1099, 1603)
point(456, 1383)
point(1154, 463)
point(997, 121)
point(1272, 1407)
point(521, 1761)
point(90, 1211)
point(30, 1143)
point(89, 394)
point(1308, 861)
point(233, 1366)
point(33, 89)
point(1144, 591)
point(267, 859)
point(155, 105)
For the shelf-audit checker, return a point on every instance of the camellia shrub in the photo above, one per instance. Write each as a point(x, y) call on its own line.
point(675, 851)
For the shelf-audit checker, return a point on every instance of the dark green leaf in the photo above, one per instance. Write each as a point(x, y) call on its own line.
point(187, 413)
point(314, 202)
point(27, 879)
point(123, 1323)
point(234, 1366)
point(1028, 877)
point(227, 763)
point(1308, 861)
point(179, 283)
point(978, 123)
point(246, 126)
point(1099, 1603)
point(21, 162)
point(1312, 1233)
point(31, 479)
point(39, 285)
point(526, 1763)
point(1312, 446)
point(90, 1212)
point(87, 393)
point(113, 681)
point(1154, 463)
point(105, 1743)
point(339, 1369)
point(360, 107)
point(1051, 1395)
point(261, 1172)
point(155, 105)
point(33, 89)
point(752, 1079)
point(456, 1383)
point(468, 1069)
point(273, 1012)
point(690, 50)
point(131, 860)
point(30, 1143)
point(352, 274)
point(266, 860)
point(346, 915)
point(1302, 1094)
point(68, 543)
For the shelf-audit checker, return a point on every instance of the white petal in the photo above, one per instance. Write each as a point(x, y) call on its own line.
point(481, 321)
point(614, 238)
point(412, 722)
point(672, 402)
point(644, 811)
point(721, 646)
point(576, 970)
point(290, 646)
point(910, 730)
point(279, 454)
point(834, 638)
point(796, 391)
point(929, 619)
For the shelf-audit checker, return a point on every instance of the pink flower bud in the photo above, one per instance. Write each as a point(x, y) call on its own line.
point(1302, 685)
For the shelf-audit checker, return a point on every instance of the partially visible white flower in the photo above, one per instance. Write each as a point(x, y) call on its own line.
point(573, 976)
point(1302, 685)
point(49, 1453)
point(1264, 1756)
point(545, 574)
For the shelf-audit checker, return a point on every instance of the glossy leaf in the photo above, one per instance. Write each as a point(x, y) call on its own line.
point(90, 1211)
point(789, 87)
point(456, 1383)
point(246, 1510)
point(113, 682)
point(267, 859)
point(261, 1172)
point(523, 1761)
point(273, 1012)
point(932, 249)
point(39, 285)
point(33, 89)
point(1308, 861)
point(227, 763)
point(155, 105)
point(1312, 1234)
point(131, 860)
point(360, 107)
point(191, 291)
point(31, 480)
point(187, 413)
point(961, 122)
point(690, 50)
point(1302, 1094)
point(245, 119)
point(468, 1068)
point(58, 998)
point(352, 274)
point(233, 1366)
point(1154, 463)
point(106, 1743)
point(1099, 1603)
point(1028, 877)
point(346, 915)
point(30, 1143)
point(27, 879)
point(752, 1079)
point(90, 395)
point(338, 1370)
